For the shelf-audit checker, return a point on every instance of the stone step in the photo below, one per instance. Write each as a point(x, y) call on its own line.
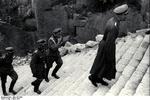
point(73, 61)
point(134, 80)
point(128, 54)
point(123, 49)
point(24, 77)
point(72, 80)
point(82, 67)
point(85, 88)
point(120, 42)
point(144, 87)
point(68, 71)
point(117, 87)
point(77, 83)
point(65, 84)
point(70, 90)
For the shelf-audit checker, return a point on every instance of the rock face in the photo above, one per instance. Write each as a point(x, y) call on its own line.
point(51, 17)
point(12, 36)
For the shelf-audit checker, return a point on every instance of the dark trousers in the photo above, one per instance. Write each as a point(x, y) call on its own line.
point(37, 83)
point(49, 64)
point(13, 75)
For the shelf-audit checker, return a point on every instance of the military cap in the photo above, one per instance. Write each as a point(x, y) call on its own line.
point(121, 9)
point(41, 41)
point(56, 30)
point(9, 49)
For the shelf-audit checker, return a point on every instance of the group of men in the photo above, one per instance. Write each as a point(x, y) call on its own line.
point(41, 62)
point(43, 58)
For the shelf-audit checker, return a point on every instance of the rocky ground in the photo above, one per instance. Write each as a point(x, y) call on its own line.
point(132, 64)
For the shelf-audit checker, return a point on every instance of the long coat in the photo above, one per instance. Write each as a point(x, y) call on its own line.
point(105, 61)
point(37, 65)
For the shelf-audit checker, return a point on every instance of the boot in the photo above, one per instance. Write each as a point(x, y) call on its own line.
point(36, 89)
point(5, 94)
point(36, 84)
point(92, 81)
point(46, 79)
point(13, 92)
point(55, 76)
point(55, 71)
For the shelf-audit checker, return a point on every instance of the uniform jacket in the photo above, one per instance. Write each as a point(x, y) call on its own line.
point(37, 64)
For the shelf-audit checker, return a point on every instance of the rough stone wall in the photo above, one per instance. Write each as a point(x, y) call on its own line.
point(47, 20)
point(22, 41)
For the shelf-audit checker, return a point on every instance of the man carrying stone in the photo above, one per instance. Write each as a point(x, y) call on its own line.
point(54, 43)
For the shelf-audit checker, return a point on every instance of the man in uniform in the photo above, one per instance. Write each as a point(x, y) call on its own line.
point(104, 65)
point(54, 43)
point(37, 65)
point(7, 69)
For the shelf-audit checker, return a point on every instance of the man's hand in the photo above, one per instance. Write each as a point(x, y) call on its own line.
point(60, 40)
point(65, 39)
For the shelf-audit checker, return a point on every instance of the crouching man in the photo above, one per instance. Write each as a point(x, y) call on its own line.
point(37, 65)
point(7, 69)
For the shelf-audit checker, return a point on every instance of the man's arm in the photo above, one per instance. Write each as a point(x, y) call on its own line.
point(64, 40)
point(53, 46)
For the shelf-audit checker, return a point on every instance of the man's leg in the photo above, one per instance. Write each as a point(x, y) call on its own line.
point(59, 63)
point(3, 82)
point(49, 64)
point(14, 78)
point(36, 85)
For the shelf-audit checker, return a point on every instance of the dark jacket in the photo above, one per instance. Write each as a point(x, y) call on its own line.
point(37, 64)
point(104, 65)
point(6, 63)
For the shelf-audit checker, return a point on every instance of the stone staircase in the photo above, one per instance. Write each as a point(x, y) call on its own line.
point(132, 77)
